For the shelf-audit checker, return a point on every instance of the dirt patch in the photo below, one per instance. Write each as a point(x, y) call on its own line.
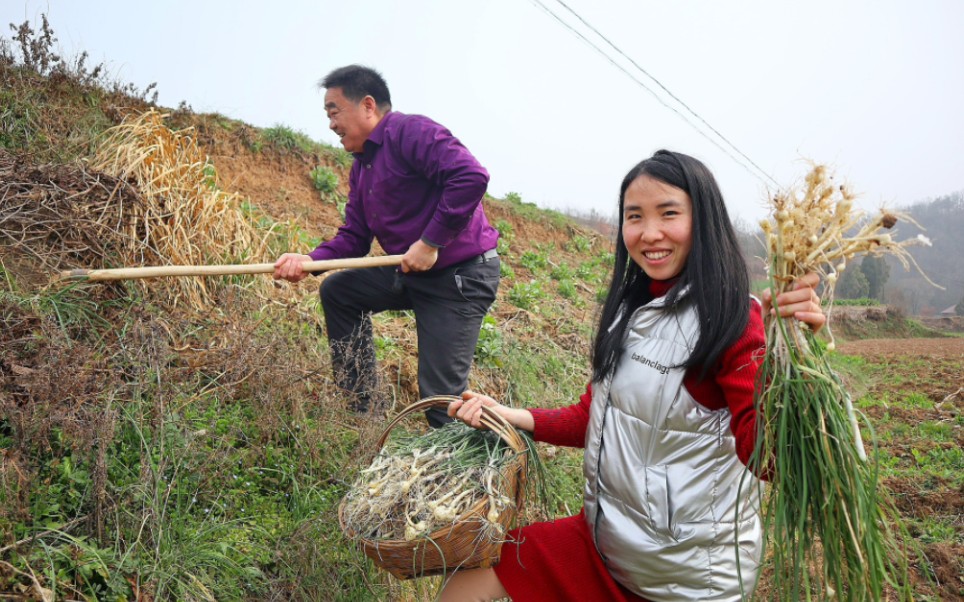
point(945, 323)
point(276, 182)
point(949, 348)
point(933, 367)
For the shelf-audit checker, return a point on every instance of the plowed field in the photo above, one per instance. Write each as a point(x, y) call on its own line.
point(950, 348)
point(912, 391)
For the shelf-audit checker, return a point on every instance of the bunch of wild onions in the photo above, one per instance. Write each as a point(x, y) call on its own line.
point(418, 484)
point(831, 532)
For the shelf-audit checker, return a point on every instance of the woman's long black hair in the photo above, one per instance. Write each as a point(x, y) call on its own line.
point(715, 271)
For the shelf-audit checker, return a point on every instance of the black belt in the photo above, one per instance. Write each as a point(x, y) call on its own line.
point(483, 258)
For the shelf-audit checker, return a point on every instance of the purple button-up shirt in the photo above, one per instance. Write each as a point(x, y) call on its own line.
point(414, 180)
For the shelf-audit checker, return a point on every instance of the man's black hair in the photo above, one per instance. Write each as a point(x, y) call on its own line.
point(357, 82)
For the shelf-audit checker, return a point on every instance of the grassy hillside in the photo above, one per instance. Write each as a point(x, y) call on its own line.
point(163, 441)
point(161, 445)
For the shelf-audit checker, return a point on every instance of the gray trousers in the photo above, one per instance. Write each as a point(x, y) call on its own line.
point(449, 305)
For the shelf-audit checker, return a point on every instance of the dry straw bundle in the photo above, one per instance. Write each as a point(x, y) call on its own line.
point(832, 533)
point(434, 502)
point(185, 218)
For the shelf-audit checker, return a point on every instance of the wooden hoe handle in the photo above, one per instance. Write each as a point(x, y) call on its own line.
point(224, 270)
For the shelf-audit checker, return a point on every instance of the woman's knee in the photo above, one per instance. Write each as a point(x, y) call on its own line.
point(480, 585)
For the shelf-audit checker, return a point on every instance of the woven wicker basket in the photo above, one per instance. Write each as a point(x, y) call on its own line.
point(460, 545)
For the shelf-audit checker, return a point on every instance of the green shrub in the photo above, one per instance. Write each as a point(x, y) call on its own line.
point(533, 261)
point(862, 302)
point(567, 289)
point(285, 138)
point(526, 295)
point(488, 350)
point(324, 180)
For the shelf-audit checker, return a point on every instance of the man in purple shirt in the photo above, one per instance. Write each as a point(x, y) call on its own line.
point(415, 188)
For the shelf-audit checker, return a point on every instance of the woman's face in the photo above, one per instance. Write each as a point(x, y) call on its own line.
point(657, 227)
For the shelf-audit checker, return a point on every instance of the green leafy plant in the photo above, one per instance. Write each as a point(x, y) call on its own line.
point(533, 261)
point(579, 244)
point(568, 290)
point(488, 349)
point(285, 138)
point(526, 295)
point(562, 272)
point(324, 180)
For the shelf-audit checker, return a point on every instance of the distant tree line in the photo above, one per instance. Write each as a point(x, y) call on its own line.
point(943, 221)
point(885, 279)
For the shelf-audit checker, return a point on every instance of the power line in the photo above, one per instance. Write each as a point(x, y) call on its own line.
point(665, 89)
point(612, 61)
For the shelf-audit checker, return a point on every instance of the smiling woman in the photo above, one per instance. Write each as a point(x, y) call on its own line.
point(657, 226)
point(668, 423)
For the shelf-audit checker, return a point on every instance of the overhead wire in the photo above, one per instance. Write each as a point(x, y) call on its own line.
point(656, 95)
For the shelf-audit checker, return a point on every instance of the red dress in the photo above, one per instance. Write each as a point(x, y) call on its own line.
point(558, 560)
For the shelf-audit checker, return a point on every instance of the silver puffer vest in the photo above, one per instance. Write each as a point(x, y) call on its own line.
point(662, 474)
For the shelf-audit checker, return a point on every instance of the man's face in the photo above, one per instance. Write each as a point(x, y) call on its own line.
point(351, 121)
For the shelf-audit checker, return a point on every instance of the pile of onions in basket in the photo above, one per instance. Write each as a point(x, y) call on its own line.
point(420, 483)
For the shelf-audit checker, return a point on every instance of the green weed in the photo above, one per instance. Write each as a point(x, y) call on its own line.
point(488, 349)
point(324, 180)
point(579, 244)
point(505, 229)
point(533, 261)
point(526, 295)
point(568, 290)
point(284, 138)
point(562, 272)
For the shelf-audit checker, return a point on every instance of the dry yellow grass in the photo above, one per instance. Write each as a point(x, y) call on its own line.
point(185, 218)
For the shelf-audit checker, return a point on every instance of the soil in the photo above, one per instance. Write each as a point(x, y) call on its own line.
point(945, 348)
point(935, 366)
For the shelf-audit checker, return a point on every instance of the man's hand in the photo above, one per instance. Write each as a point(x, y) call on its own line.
point(419, 257)
point(288, 267)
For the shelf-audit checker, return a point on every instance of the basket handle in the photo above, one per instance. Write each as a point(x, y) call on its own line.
point(490, 419)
